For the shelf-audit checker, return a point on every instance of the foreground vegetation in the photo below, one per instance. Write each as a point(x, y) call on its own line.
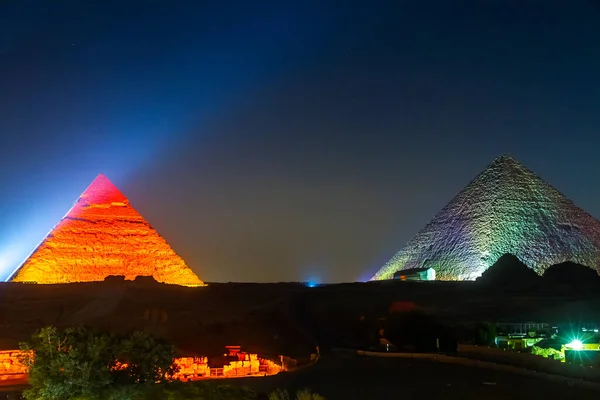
point(87, 364)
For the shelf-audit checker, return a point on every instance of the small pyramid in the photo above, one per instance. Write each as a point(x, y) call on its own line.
point(103, 235)
point(509, 271)
point(505, 209)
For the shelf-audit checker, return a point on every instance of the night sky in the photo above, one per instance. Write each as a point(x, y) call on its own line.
point(291, 140)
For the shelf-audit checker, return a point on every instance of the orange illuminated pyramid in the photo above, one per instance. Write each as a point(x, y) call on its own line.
point(103, 235)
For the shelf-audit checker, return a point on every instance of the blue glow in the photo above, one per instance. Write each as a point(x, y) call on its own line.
point(31, 224)
point(46, 197)
point(312, 284)
point(107, 101)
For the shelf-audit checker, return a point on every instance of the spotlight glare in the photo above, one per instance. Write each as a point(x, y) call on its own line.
point(576, 344)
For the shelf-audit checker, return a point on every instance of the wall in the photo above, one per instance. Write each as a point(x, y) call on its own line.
point(12, 371)
point(194, 368)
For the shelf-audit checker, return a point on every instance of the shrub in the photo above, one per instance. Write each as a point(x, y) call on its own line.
point(303, 394)
point(83, 363)
point(547, 352)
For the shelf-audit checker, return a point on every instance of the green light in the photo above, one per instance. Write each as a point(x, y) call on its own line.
point(575, 344)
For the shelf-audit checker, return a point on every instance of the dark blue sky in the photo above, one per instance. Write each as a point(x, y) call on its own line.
point(288, 140)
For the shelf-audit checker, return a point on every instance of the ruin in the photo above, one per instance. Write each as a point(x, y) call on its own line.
point(103, 235)
point(241, 364)
point(505, 209)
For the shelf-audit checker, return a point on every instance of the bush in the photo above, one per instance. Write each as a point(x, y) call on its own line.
point(485, 334)
point(303, 394)
point(198, 391)
point(548, 352)
point(86, 364)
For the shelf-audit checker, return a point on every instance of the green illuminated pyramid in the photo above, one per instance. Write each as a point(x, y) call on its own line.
point(505, 209)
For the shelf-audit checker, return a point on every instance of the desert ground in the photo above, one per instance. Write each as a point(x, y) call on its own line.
point(269, 319)
point(292, 319)
point(343, 377)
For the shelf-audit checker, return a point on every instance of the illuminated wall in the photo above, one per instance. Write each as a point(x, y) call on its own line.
point(103, 235)
point(12, 371)
point(505, 209)
point(192, 368)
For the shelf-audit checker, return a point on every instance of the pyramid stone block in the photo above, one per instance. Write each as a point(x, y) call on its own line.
point(103, 235)
point(505, 209)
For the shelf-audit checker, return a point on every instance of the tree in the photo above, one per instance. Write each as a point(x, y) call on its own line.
point(484, 334)
point(419, 332)
point(86, 364)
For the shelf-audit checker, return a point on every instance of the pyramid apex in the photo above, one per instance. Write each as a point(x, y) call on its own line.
point(505, 163)
point(505, 158)
point(101, 177)
point(102, 191)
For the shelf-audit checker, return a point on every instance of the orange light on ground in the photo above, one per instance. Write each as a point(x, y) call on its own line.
point(104, 235)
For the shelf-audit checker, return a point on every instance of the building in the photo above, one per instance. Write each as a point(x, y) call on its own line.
point(505, 209)
point(103, 235)
point(415, 274)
